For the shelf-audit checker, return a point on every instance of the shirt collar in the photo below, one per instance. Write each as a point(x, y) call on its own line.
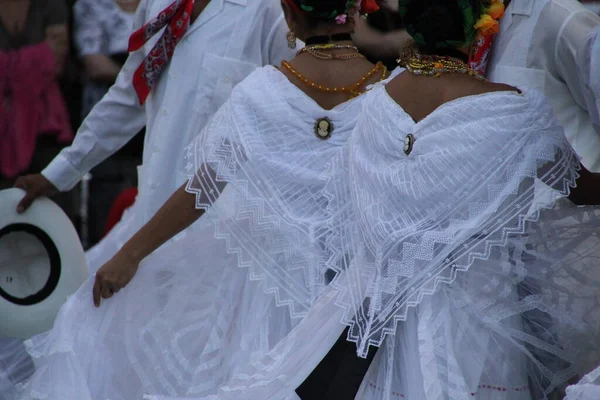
point(521, 7)
point(239, 2)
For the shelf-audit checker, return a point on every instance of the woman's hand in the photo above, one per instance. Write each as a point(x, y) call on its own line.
point(114, 276)
point(174, 216)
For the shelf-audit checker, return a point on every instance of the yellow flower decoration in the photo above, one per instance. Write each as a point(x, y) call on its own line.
point(488, 23)
point(496, 10)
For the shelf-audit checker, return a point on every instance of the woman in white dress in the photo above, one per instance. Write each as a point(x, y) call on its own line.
point(453, 235)
point(479, 276)
point(208, 303)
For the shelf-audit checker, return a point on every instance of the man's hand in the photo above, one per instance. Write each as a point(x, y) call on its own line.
point(34, 186)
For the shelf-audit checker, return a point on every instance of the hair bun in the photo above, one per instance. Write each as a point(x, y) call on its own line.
point(323, 9)
point(330, 9)
point(438, 24)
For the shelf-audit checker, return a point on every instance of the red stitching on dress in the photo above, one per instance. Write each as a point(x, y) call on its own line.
point(399, 395)
point(502, 389)
point(488, 387)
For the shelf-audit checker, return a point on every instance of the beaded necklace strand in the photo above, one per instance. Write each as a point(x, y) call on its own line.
point(316, 51)
point(432, 65)
point(352, 91)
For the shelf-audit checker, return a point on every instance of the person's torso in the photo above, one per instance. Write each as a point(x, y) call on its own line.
point(524, 56)
point(115, 28)
point(221, 47)
point(34, 29)
point(115, 24)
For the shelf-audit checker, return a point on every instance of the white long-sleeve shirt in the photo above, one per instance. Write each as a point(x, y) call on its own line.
point(539, 46)
point(228, 40)
point(588, 63)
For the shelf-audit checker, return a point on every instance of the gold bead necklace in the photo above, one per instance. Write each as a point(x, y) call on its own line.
point(352, 91)
point(432, 65)
point(316, 52)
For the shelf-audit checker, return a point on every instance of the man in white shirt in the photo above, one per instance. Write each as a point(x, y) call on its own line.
point(225, 41)
point(538, 47)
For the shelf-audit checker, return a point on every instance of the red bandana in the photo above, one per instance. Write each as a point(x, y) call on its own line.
point(176, 18)
point(481, 52)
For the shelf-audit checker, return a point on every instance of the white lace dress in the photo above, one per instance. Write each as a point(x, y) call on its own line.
point(201, 307)
point(455, 251)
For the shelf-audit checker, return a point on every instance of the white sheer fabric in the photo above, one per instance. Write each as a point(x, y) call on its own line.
point(191, 318)
point(271, 185)
point(180, 328)
point(15, 367)
point(586, 389)
point(463, 261)
point(473, 228)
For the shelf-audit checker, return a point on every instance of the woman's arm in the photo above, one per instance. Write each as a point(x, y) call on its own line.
point(174, 216)
point(57, 37)
point(587, 191)
point(100, 68)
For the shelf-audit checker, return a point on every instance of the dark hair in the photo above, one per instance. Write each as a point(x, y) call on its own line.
point(317, 11)
point(441, 26)
point(322, 10)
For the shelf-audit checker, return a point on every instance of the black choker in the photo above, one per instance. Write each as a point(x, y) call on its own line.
point(338, 37)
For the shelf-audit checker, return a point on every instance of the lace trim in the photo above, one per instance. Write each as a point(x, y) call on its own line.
point(368, 330)
point(435, 281)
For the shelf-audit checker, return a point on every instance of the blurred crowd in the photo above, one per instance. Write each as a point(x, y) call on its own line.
point(57, 60)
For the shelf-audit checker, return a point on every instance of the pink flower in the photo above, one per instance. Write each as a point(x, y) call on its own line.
point(341, 19)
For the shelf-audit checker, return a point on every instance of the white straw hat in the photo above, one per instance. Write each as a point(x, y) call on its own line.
point(42, 262)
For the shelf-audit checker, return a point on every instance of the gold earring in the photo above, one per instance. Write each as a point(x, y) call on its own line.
point(291, 39)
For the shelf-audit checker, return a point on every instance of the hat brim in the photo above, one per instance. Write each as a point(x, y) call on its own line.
point(23, 317)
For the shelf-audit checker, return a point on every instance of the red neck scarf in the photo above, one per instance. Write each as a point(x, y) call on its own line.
point(480, 54)
point(176, 19)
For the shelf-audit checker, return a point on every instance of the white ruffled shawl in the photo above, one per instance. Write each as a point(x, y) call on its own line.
point(482, 192)
point(260, 157)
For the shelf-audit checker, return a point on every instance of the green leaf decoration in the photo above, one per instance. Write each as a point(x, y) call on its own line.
point(420, 39)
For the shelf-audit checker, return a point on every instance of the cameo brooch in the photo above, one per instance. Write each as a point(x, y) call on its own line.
point(323, 128)
point(409, 142)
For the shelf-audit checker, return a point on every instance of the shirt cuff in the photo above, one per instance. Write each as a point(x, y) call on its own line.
point(62, 174)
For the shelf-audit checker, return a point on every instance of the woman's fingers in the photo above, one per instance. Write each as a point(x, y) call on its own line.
point(103, 289)
point(106, 292)
point(97, 291)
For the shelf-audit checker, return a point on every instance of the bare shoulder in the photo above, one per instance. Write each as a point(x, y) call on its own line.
point(419, 95)
point(458, 86)
point(469, 87)
point(449, 86)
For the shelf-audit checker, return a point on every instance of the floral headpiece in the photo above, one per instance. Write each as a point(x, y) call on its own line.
point(488, 23)
point(340, 16)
